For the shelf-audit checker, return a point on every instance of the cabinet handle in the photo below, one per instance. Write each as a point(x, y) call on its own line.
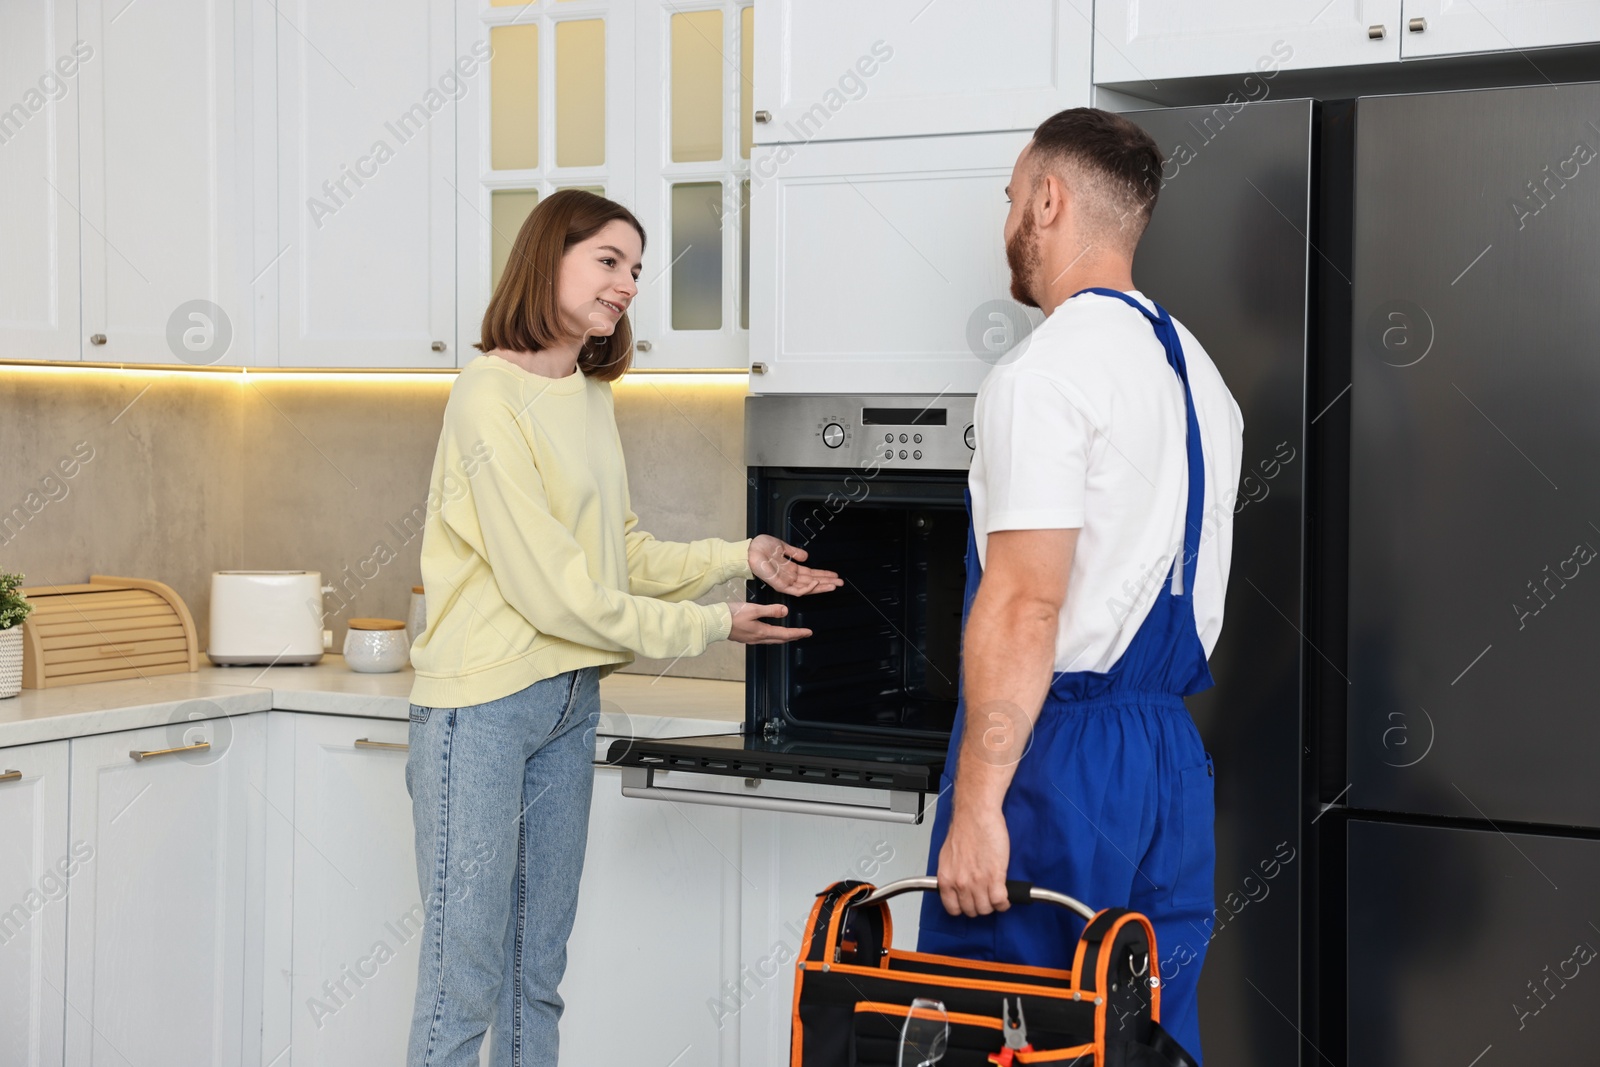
point(198, 746)
point(362, 742)
point(438, 346)
point(1376, 33)
point(758, 368)
point(97, 338)
point(643, 346)
point(763, 116)
point(1417, 25)
point(11, 776)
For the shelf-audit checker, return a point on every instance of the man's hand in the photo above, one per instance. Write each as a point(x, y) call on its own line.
point(778, 564)
point(973, 862)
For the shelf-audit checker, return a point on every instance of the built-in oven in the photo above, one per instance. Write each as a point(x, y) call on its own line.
point(855, 719)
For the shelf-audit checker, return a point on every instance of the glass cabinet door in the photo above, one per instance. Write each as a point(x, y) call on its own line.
point(692, 135)
point(554, 112)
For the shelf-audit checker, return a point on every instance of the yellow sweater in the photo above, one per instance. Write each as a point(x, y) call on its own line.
point(532, 563)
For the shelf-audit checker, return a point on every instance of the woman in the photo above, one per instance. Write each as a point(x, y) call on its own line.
point(537, 583)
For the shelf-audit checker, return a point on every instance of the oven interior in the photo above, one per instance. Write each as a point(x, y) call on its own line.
point(884, 655)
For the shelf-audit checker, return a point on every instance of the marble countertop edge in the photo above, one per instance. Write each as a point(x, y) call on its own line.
point(630, 703)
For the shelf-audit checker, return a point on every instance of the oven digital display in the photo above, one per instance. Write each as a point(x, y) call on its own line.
point(902, 416)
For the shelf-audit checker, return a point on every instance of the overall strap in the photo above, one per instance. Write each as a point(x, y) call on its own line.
point(1167, 334)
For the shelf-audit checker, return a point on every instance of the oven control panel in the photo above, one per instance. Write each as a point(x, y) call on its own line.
point(868, 431)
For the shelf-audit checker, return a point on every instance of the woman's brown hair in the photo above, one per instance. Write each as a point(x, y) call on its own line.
point(524, 315)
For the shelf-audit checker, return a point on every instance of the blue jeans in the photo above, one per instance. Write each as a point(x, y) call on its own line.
point(500, 797)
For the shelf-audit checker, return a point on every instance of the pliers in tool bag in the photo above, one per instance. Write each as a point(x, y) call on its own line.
point(1016, 1034)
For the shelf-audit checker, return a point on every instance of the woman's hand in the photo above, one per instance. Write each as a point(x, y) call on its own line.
point(748, 629)
point(778, 565)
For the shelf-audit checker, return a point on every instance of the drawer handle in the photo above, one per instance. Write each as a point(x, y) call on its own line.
point(1376, 33)
point(438, 346)
point(97, 338)
point(115, 650)
point(362, 742)
point(11, 776)
point(1417, 25)
point(199, 746)
point(763, 116)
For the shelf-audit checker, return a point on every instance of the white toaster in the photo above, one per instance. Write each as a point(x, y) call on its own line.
point(272, 617)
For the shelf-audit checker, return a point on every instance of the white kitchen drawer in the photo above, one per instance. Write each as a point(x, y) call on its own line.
point(157, 931)
point(38, 865)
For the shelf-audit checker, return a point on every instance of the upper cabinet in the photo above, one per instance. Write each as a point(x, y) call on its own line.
point(1141, 42)
point(364, 265)
point(838, 69)
point(41, 81)
point(552, 110)
point(1442, 27)
point(157, 194)
point(880, 265)
point(692, 135)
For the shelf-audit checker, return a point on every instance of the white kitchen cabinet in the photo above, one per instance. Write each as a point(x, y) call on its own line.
point(790, 859)
point(41, 63)
point(554, 108)
point(364, 270)
point(691, 187)
point(831, 69)
point(356, 911)
point(156, 931)
point(656, 942)
point(873, 259)
point(1143, 42)
point(1443, 27)
point(160, 190)
point(38, 865)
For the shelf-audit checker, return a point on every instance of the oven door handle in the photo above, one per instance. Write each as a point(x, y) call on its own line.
point(905, 806)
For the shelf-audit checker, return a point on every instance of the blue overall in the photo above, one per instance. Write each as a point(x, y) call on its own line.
point(1112, 801)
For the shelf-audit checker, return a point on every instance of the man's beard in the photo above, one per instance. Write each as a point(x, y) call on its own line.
point(1022, 256)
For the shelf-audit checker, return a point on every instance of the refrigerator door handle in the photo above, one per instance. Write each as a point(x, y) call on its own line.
point(904, 806)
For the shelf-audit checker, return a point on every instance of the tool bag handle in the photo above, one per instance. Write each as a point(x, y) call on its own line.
point(1017, 892)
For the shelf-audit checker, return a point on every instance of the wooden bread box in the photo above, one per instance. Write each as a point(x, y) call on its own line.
point(104, 630)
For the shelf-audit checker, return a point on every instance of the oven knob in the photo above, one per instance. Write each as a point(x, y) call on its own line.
point(833, 435)
point(970, 438)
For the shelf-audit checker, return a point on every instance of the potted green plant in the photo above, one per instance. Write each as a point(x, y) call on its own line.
point(14, 607)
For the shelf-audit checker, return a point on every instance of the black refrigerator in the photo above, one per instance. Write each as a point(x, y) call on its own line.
point(1403, 293)
point(1227, 253)
point(1472, 810)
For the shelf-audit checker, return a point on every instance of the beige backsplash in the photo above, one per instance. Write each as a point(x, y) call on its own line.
point(173, 476)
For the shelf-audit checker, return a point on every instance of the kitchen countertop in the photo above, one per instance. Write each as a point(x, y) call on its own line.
point(630, 703)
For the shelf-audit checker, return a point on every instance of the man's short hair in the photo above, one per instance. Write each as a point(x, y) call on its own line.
point(1112, 164)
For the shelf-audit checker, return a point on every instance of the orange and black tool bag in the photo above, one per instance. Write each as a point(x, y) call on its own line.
point(853, 990)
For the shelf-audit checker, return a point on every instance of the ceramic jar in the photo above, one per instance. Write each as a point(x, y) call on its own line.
point(418, 619)
point(376, 646)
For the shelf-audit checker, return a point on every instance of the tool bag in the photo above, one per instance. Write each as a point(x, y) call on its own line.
point(853, 990)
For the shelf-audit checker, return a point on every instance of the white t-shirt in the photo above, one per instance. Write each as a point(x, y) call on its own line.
point(1086, 429)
